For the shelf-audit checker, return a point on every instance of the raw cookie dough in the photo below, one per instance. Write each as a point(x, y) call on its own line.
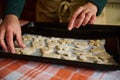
point(91, 51)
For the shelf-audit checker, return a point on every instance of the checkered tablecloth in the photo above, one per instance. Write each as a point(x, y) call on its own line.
point(28, 70)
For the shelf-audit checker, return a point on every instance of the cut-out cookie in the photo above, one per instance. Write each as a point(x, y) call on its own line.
point(66, 41)
point(28, 50)
point(38, 44)
point(62, 47)
point(46, 50)
point(63, 52)
point(52, 56)
point(69, 57)
point(97, 50)
point(52, 44)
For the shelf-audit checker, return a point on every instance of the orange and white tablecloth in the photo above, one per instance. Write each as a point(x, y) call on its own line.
point(27, 70)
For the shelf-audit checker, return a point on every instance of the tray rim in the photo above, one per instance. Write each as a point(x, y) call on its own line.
point(47, 60)
point(82, 64)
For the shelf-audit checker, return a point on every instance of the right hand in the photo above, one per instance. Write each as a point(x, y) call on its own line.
point(9, 28)
point(85, 14)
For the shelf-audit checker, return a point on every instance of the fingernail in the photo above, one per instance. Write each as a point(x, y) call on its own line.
point(69, 28)
point(12, 51)
point(83, 24)
point(24, 45)
point(6, 50)
point(77, 27)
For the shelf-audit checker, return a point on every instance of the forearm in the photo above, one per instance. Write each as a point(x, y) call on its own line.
point(100, 5)
point(14, 7)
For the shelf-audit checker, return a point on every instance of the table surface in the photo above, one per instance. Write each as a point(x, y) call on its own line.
point(11, 69)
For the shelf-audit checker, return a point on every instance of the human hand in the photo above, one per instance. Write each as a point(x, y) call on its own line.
point(83, 15)
point(8, 29)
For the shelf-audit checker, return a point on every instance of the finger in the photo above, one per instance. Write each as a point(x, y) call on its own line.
point(3, 45)
point(80, 19)
point(9, 39)
point(92, 20)
point(73, 18)
point(2, 42)
point(87, 18)
point(19, 40)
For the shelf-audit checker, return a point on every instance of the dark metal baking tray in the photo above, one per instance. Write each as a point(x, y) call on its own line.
point(108, 32)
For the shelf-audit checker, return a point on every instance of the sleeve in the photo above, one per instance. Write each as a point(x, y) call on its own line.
point(100, 5)
point(13, 7)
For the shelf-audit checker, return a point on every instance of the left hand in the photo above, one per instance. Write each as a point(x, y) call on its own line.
point(8, 29)
point(83, 15)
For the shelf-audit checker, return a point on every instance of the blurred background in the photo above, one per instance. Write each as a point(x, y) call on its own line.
point(111, 12)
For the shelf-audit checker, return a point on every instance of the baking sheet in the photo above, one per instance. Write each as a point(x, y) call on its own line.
point(89, 32)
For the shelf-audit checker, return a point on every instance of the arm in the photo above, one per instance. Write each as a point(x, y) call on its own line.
point(86, 14)
point(14, 7)
point(100, 5)
point(10, 26)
